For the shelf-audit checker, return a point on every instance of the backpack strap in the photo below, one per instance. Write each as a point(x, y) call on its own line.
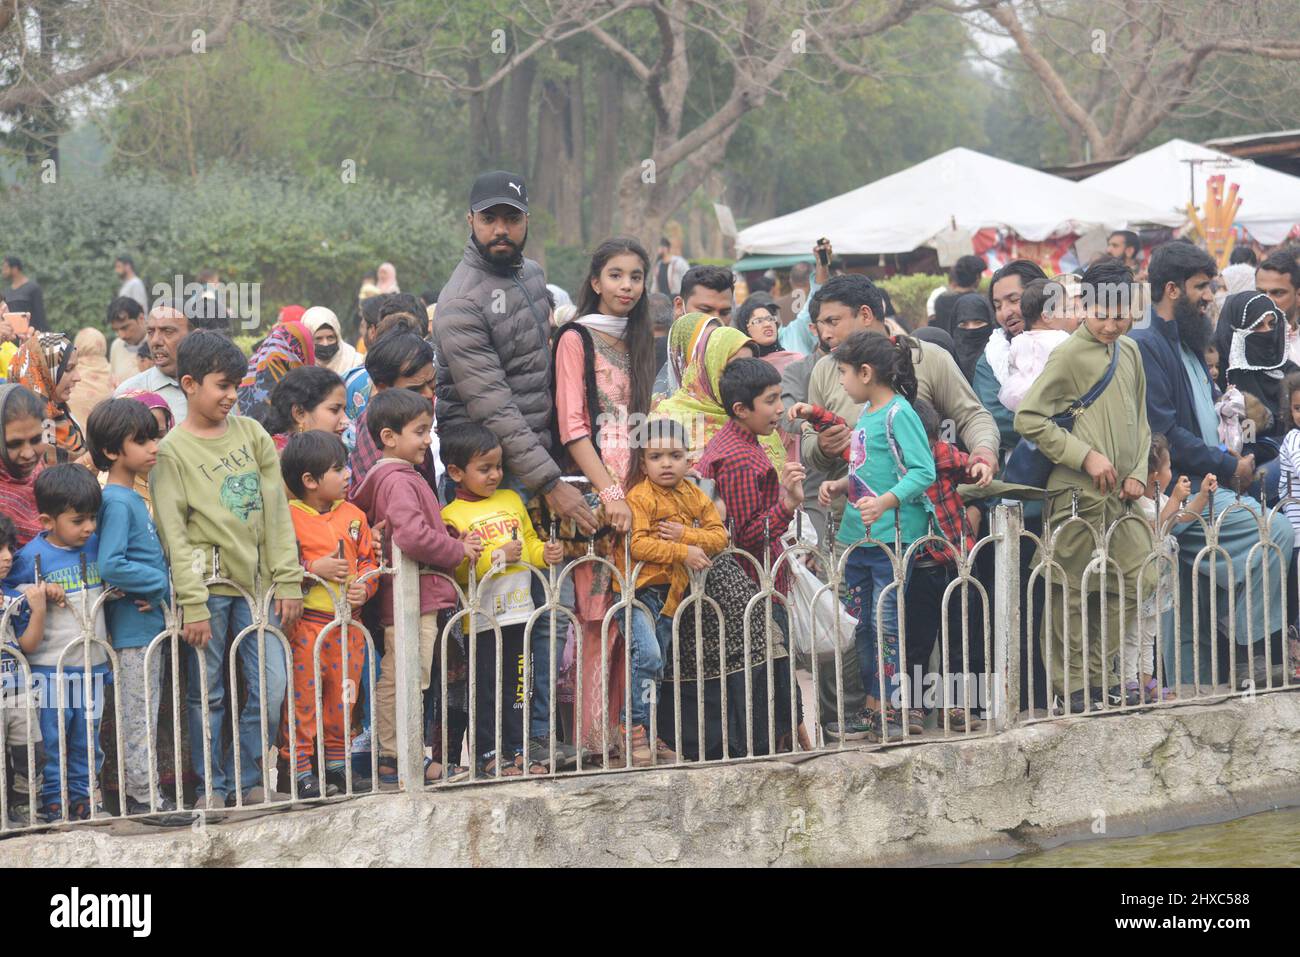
point(898, 455)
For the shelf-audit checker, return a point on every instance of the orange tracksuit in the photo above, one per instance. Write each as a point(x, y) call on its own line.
point(319, 536)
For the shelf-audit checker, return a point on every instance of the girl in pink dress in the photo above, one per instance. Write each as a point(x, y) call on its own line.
point(604, 370)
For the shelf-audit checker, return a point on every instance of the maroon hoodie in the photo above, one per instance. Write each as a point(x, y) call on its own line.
point(395, 491)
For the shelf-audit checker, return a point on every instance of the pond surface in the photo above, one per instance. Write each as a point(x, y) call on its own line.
point(1267, 839)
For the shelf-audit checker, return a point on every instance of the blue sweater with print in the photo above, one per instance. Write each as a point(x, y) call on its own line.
point(62, 566)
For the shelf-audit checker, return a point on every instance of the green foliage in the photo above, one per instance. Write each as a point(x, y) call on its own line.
point(827, 137)
point(304, 240)
point(247, 104)
point(566, 267)
point(909, 293)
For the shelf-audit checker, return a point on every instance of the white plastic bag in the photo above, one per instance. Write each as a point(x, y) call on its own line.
point(825, 611)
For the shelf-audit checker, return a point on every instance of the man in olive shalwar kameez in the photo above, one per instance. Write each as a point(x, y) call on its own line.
point(1105, 458)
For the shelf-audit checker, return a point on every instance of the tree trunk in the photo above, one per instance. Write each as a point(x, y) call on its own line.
point(485, 132)
point(604, 175)
point(513, 154)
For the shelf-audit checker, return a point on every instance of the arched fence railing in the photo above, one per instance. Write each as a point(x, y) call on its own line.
point(751, 671)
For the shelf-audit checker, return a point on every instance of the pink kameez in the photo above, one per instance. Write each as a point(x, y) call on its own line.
point(592, 581)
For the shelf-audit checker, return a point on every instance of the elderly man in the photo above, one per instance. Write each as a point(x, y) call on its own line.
point(1180, 406)
point(491, 334)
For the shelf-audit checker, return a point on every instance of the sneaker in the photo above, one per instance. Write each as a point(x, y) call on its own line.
point(308, 787)
point(1114, 696)
point(888, 729)
point(1078, 704)
point(19, 814)
point(214, 802)
point(166, 816)
point(539, 749)
point(915, 720)
point(855, 729)
point(336, 782)
point(165, 805)
point(257, 795)
point(957, 720)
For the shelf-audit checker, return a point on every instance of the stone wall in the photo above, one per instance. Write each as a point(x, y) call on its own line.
point(928, 803)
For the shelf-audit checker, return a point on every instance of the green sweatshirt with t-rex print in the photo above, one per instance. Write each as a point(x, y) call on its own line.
point(224, 491)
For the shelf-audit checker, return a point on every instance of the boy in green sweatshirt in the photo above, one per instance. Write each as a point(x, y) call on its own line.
point(217, 483)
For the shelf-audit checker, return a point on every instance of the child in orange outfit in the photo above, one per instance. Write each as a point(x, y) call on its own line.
point(335, 545)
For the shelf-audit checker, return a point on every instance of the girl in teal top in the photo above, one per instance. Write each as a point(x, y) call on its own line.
point(890, 467)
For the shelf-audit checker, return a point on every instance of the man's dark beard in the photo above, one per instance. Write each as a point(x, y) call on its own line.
point(1193, 326)
point(511, 258)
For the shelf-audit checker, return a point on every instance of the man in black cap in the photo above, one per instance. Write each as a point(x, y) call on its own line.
point(491, 331)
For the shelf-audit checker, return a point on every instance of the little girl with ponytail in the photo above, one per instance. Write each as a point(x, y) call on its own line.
point(890, 467)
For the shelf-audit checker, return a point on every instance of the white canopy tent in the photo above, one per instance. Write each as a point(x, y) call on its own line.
point(1168, 176)
point(910, 208)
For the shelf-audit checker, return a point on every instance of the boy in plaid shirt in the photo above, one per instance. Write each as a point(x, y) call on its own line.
point(746, 479)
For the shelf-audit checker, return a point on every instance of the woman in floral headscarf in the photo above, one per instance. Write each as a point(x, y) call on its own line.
point(47, 364)
point(289, 346)
point(697, 405)
point(683, 336)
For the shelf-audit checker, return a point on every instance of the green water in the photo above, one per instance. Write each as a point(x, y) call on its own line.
point(1268, 839)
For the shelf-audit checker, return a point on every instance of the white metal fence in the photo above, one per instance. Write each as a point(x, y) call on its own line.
point(753, 698)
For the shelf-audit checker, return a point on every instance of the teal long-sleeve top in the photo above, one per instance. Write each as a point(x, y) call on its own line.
point(131, 559)
point(873, 462)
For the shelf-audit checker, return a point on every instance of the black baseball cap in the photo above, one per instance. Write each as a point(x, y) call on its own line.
point(497, 188)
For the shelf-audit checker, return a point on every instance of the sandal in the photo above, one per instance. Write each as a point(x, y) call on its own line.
point(446, 774)
point(535, 767)
point(489, 769)
point(1151, 693)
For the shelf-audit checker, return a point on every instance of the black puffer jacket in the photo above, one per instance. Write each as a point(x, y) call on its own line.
point(491, 332)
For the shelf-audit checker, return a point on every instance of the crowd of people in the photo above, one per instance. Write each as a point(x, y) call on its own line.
point(497, 430)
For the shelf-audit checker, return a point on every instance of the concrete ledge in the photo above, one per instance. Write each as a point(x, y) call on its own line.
point(929, 803)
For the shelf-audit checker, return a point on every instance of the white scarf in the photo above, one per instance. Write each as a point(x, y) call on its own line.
point(998, 353)
point(610, 325)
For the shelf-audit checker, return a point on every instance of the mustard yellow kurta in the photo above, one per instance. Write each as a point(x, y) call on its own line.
point(1116, 426)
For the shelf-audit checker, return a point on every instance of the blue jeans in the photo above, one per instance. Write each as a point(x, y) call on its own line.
point(649, 649)
point(228, 615)
point(867, 571)
point(539, 720)
point(539, 715)
point(73, 719)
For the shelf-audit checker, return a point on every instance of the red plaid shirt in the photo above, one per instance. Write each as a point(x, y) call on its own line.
point(950, 466)
point(751, 491)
